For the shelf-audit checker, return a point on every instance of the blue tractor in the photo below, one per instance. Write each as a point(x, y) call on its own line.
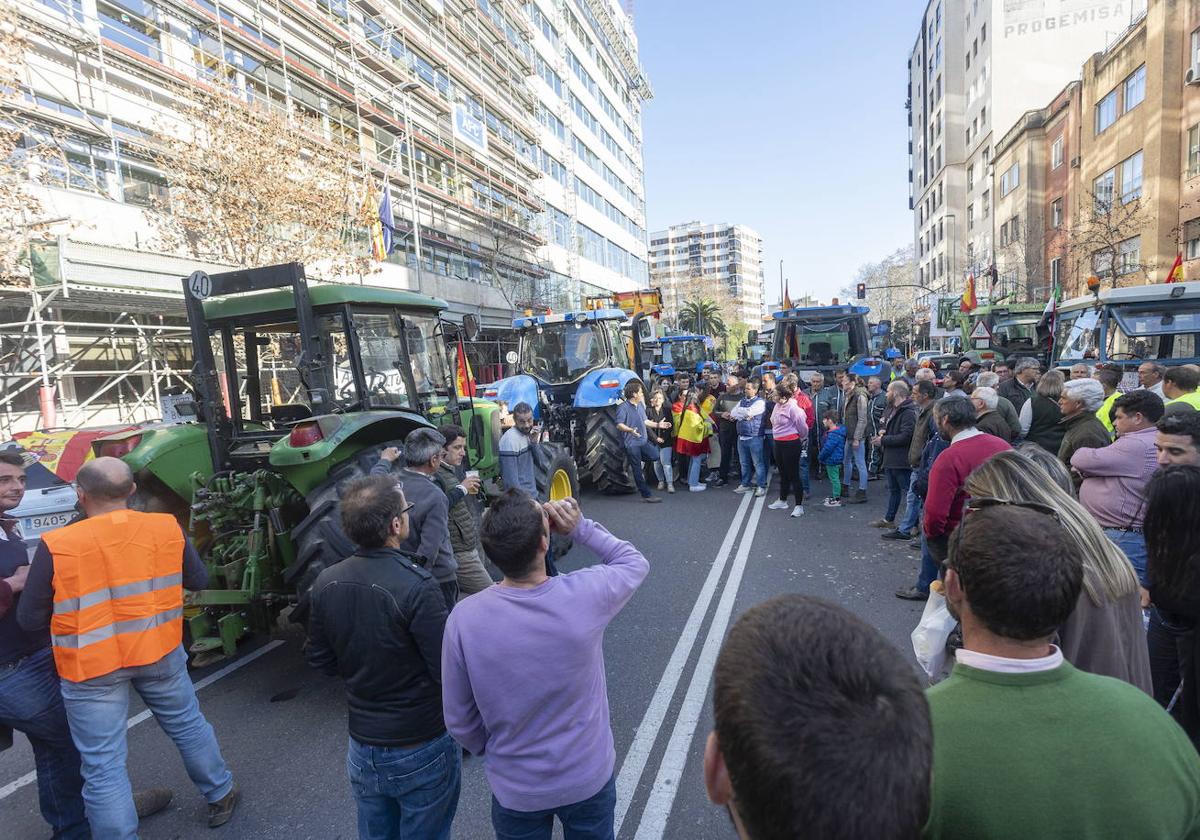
point(683, 353)
point(572, 369)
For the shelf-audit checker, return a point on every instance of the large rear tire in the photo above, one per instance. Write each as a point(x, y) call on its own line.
point(319, 539)
point(557, 479)
point(604, 458)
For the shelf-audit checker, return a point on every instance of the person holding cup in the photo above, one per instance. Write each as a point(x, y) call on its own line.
point(464, 527)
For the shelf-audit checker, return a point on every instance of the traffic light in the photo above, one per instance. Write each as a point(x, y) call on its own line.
point(862, 291)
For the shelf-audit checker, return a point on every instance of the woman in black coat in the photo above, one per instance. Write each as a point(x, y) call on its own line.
point(899, 423)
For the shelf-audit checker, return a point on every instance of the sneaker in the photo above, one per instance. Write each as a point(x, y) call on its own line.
point(797, 511)
point(884, 523)
point(651, 500)
point(720, 482)
point(698, 488)
point(671, 488)
point(896, 535)
point(778, 505)
point(742, 488)
point(760, 492)
point(833, 503)
point(220, 811)
point(662, 485)
point(912, 594)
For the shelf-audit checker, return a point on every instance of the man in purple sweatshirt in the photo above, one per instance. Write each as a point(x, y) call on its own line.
point(523, 671)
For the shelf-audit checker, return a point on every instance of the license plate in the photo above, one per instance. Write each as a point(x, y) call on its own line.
point(31, 526)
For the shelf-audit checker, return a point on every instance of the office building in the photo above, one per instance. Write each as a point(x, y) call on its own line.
point(516, 112)
point(720, 261)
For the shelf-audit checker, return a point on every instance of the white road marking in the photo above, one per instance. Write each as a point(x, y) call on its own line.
point(634, 764)
point(662, 796)
point(144, 715)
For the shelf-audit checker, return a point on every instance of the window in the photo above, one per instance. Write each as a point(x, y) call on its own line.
point(1102, 264)
point(1004, 234)
point(970, 217)
point(971, 177)
point(987, 204)
point(1056, 153)
point(1135, 88)
point(1102, 192)
point(1191, 248)
point(1129, 256)
point(1131, 178)
point(983, 116)
point(1193, 155)
point(1056, 270)
point(1056, 213)
point(1196, 47)
point(1106, 111)
point(975, 47)
point(983, 33)
point(968, 61)
point(1010, 180)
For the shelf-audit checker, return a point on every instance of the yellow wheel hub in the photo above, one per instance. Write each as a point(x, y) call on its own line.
point(560, 486)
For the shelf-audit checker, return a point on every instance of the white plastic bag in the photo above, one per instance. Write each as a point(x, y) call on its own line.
point(930, 635)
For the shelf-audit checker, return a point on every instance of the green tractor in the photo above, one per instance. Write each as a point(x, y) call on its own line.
point(297, 389)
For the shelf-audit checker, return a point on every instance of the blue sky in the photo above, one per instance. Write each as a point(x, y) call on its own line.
point(784, 116)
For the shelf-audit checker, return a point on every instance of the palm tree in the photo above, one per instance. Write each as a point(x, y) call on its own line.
point(702, 317)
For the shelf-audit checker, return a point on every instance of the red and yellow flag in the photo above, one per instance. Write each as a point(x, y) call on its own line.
point(1176, 273)
point(969, 301)
point(786, 303)
point(465, 378)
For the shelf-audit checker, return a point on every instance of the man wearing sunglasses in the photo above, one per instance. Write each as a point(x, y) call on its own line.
point(377, 622)
point(1025, 744)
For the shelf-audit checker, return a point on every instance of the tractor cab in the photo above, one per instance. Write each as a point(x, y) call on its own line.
point(822, 339)
point(691, 354)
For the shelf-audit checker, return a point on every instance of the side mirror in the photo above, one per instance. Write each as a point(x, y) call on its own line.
point(645, 330)
point(470, 326)
point(752, 336)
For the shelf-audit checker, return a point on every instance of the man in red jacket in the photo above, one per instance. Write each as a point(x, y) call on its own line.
point(968, 448)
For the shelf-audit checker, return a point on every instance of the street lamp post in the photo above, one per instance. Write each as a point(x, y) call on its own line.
point(405, 90)
point(953, 246)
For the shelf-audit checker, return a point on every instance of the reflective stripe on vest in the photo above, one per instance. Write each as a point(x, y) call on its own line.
point(118, 592)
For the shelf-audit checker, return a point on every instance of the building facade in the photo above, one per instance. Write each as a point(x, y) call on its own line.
point(491, 117)
point(695, 258)
point(976, 66)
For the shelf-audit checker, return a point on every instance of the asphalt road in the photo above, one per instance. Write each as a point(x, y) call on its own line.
point(713, 555)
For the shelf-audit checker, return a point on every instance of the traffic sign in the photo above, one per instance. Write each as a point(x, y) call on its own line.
point(980, 332)
point(199, 285)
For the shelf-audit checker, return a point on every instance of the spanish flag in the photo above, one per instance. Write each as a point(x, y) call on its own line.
point(1176, 274)
point(786, 303)
point(968, 299)
point(381, 225)
point(465, 379)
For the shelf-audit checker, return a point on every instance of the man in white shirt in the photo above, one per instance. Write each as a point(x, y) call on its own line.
point(1150, 377)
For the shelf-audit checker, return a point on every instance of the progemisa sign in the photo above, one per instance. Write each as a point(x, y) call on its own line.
point(1037, 17)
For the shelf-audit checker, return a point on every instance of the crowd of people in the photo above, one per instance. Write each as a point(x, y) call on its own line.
point(1055, 515)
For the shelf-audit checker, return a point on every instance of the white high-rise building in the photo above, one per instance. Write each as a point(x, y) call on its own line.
point(977, 65)
point(590, 88)
point(693, 256)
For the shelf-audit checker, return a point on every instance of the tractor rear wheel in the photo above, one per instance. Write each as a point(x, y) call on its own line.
point(557, 479)
point(604, 458)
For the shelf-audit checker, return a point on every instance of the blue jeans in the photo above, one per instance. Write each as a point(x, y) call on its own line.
point(663, 469)
point(405, 792)
point(31, 702)
point(750, 453)
point(97, 710)
point(856, 456)
point(899, 480)
point(638, 455)
point(804, 477)
point(694, 470)
point(1133, 545)
point(1170, 642)
point(929, 566)
point(768, 451)
point(591, 819)
point(912, 514)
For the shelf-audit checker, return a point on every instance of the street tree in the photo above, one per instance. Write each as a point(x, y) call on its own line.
point(1104, 241)
point(1020, 263)
point(251, 185)
point(702, 317)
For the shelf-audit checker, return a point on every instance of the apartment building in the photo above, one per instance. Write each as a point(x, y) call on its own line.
point(1126, 229)
point(975, 67)
point(695, 258)
point(493, 118)
point(1037, 163)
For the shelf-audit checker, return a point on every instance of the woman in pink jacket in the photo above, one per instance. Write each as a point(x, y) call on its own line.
point(791, 431)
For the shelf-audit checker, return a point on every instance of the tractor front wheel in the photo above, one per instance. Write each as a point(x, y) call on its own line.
point(604, 458)
point(557, 479)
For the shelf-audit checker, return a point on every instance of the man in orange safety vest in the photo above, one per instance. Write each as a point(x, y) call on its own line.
point(110, 587)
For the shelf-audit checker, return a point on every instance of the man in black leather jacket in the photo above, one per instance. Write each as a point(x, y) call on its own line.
point(377, 622)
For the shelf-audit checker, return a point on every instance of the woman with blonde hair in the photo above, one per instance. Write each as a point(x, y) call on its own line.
point(1104, 634)
point(1040, 414)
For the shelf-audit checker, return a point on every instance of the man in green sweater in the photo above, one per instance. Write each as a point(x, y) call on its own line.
point(1025, 745)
